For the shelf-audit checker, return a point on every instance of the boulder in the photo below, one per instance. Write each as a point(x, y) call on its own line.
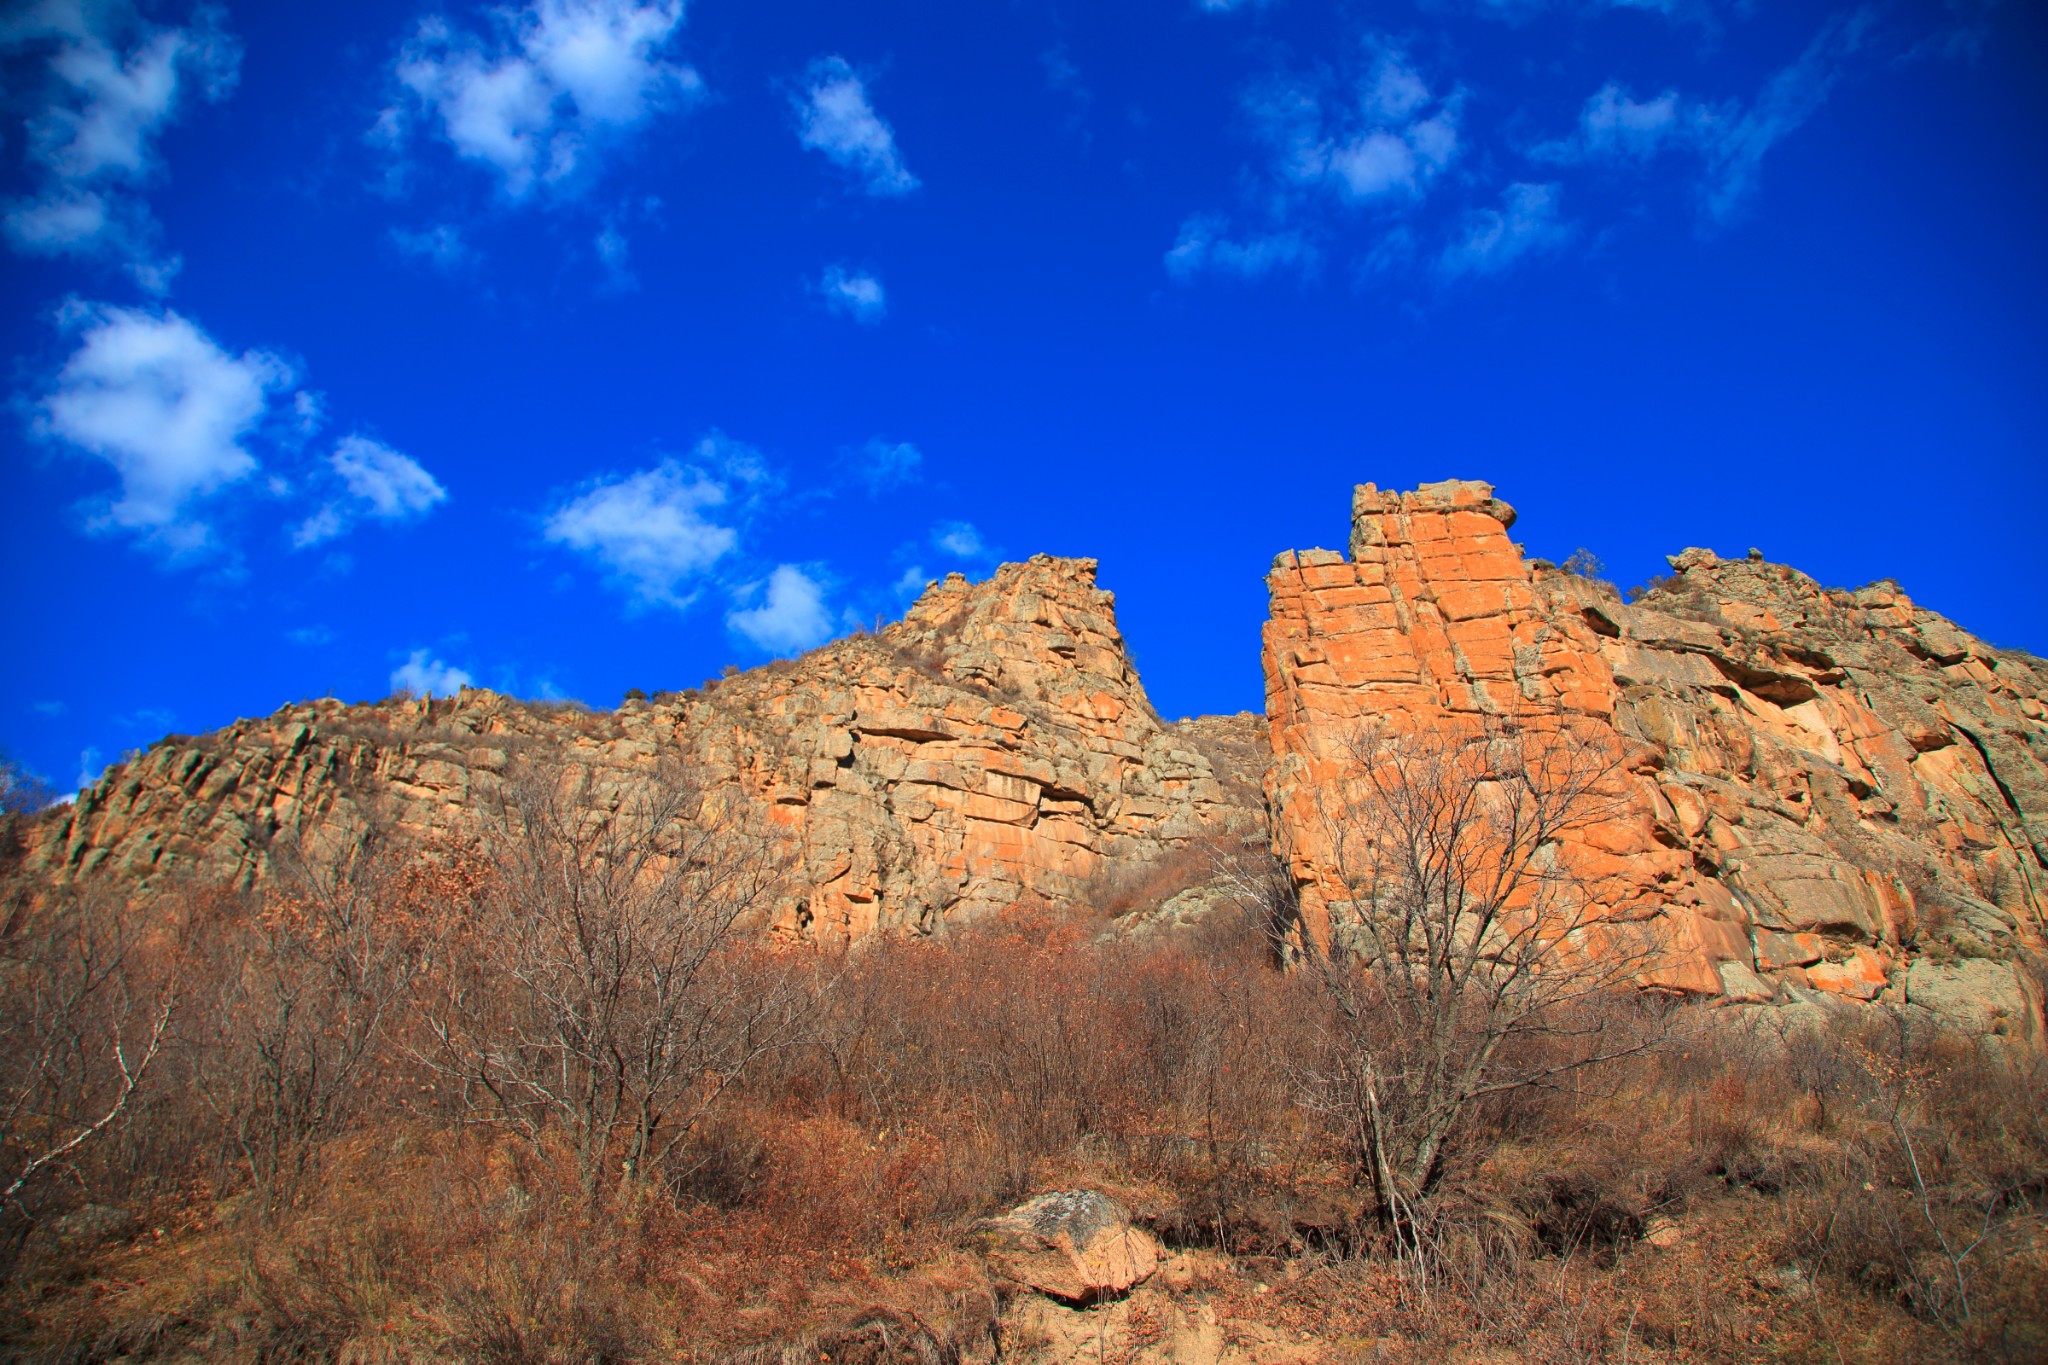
point(91, 1225)
point(1077, 1246)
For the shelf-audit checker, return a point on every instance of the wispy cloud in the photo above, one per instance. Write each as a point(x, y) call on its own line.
point(614, 254)
point(375, 481)
point(1372, 139)
point(1516, 11)
point(1381, 135)
point(1204, 245)
point(1063, 78)
point(442, 246)
point(790, 613)
point(107, 84)
point(549, 86)
point(835, 118)
point(1735, 151)
point(168, 408)
point(1614, 126)
point(888, 464)
point(854, 293)
point(1729, 138)
point(423, 675)
point(1526, 224)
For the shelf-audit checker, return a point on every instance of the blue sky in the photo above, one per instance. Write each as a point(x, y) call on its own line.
point(576, 345)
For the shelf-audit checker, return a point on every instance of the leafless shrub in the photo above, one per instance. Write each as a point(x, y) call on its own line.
point(303, 984)
point(605, 988)
point(1466, 954)
point(84, 1008)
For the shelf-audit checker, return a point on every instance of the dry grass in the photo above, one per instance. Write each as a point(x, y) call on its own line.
point(819, 1211)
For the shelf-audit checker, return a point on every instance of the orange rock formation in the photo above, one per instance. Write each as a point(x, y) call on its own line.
point(1835, 794)
point(1828, 796)
point(993, 745)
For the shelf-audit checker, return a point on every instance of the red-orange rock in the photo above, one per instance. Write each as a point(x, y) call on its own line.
point(1829, 778)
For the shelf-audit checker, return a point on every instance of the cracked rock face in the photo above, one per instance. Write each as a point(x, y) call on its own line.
point(1829, 787)
point(994, 745)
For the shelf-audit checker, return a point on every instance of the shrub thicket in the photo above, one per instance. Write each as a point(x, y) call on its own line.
point(414, 1105)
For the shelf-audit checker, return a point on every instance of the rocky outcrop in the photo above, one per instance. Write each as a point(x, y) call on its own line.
point(1835, 795)
point(1826, 796)
point(995, 744)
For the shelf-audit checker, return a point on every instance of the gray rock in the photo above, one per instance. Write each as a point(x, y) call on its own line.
point(1973, 996)
point(91, 1225)
point(1077, 1246)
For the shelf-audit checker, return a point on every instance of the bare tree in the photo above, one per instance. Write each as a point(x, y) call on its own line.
point(302, 986)
point(83, 1014)
point(609, 990)
point(1468, 944)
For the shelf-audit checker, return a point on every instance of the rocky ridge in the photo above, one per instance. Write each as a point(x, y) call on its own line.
point(995, 744)
point(1836, 796)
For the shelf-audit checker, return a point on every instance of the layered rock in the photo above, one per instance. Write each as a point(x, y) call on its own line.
point(1832, 795)
point(994, 745)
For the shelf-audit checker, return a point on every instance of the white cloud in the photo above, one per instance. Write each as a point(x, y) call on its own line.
point(857, 294)
point(736, 462)
point(791, 616)
point(911, 582)
point(441, 246)
point(650, 530)
point(959, 538)
point(1380, 136)
point(109, 82)
point(1376, 139)
point(837, 120)
point(324, 525)
point(1203, 245)
point(885, 464)
point(394, 485)
point(553, 81)
point(1614, 126)
point(380, 482)
point(425, 676)
point(167, 407)
point(1526, 224)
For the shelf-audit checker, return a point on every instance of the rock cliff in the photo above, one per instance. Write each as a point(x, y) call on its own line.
point(1835, 795)
point(995, 744)
point(1829, 796)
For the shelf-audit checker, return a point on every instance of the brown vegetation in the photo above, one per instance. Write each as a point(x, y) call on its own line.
point(546, 1100)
